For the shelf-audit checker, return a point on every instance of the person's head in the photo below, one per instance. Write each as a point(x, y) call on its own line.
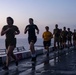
point(31, 20)
point(10, 21)
point(56, 26)
point(68, 29)
point(47, 28)
point(64, 28)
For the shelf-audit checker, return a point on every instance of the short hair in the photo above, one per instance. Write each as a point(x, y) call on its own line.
point(11, 19)
point(47, 27)
point(31, 19)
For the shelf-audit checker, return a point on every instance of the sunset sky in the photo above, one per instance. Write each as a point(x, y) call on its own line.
point(44, 12)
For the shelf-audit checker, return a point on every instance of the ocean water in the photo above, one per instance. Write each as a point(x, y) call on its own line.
point(23, 42)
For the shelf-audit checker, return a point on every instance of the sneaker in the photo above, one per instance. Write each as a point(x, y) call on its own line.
point(5, 68)
point(16, 63)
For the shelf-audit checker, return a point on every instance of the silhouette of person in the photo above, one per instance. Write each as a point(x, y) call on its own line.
point(10, 31)
point(56, 33)
point(32, 38)
point(47, 36)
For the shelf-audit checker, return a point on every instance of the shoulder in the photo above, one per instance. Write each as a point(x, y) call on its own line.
point(14, 26)
point(5, 26)
point(27, 25)
point(44, 32)
point(50, 32)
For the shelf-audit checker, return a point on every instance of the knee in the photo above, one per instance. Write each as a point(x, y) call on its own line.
point(8, 54)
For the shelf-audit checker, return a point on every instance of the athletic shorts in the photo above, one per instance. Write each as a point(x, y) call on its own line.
point(32, 39)
point(47, 43)
point(11, 42)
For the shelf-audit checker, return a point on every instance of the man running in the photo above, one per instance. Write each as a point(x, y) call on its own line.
point(69, 37)
point(74, 37)
point(64, 37)
point(56, 33)
point(47, 36)
point(32, 38)
point(10, 31)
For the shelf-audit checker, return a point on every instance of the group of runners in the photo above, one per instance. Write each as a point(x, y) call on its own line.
point(60, 37)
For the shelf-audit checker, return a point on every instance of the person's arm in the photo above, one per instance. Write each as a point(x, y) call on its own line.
point(26, 29)
point(17, 31)
point(43, 35)
point(3, 31)
point(37, 30)
point(51, 35)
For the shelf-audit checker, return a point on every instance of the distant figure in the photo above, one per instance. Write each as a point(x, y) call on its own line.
point(60, 39)
point(64, 36)
point(32, 38)
point(47, 36)
point(56, 33)
point(74, 37)
point(10, 31)
point(69, 37)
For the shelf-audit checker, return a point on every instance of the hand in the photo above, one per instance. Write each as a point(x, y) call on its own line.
point(37, 32)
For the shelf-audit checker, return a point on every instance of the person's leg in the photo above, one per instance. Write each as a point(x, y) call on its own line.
point(33, 53)
point(55, 43)
point(5, 67)
point(12, 55)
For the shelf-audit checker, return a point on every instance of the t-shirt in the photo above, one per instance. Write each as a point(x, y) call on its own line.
point(10, 33)
point(47, 36)
point(64, 34)
point(56, 32)
point(74, 35)
point(69, 34)
point(31, 30)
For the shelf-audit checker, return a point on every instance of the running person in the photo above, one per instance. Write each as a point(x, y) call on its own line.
point(32, 38)
point(60, 39)
point(47, 36)
point(10, 31)
point(56, 33)
point(69, 37)
point(64, 37)
point(74, 37)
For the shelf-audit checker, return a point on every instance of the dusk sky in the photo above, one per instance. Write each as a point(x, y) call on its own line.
point(44, 12)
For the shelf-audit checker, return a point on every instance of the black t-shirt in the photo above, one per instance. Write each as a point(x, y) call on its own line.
point(64, 34)
point(10, 33)
point(56, 32)
point(69, 34)
point(31, 30)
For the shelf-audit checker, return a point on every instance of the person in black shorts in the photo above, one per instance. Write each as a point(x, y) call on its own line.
point(69, 37)
point(56, 33)
point(10, 31)
point(60, 39)
point(74, 37)
point(64, 37)
point(47, 36)
point(32, 38)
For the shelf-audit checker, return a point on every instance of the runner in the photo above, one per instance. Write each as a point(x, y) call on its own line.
point(47, 36)
point(74, 37)
point(32, 38)
point(10, 31)
point(69, 37)
point(56, 33)
point(64, 37)
point(60, 39)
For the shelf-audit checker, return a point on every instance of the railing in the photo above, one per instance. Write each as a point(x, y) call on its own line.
point(17, 49)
